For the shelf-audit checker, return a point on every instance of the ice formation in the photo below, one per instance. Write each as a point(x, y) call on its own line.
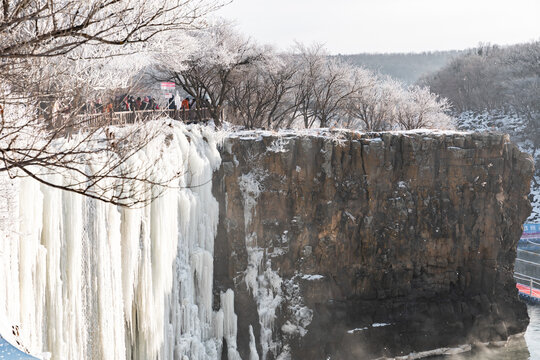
point(299, 315)
point(84, 279)
point(263, 282)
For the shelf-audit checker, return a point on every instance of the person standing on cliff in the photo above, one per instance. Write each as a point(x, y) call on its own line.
point(172, 104)
point(185, 104)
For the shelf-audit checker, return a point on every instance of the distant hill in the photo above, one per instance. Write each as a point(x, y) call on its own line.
point(407, 67)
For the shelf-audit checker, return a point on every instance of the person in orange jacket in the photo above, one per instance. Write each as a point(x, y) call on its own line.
point(185, 104)
point(108, 108)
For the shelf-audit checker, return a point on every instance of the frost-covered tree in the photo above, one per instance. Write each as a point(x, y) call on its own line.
point(419, 108)
point(322, 87)
point(207, 72)
point(328, 92)
point(257, 97)
point(52, 28)
point(56, 57)
point(384, 104)
point(503, 80)
point(373, 106)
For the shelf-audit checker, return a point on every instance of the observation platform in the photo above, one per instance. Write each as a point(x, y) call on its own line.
point(121, 118)
point(527, 267)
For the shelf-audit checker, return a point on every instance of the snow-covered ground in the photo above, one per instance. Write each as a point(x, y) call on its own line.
point(514, 126)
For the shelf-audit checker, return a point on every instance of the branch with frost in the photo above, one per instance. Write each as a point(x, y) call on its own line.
point(45, 130)
point(372, 108)
point(53, 28)
point(420, 108)
point(116, 165)
point(258, 94)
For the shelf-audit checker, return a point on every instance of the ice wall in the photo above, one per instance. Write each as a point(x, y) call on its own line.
point(84, 279)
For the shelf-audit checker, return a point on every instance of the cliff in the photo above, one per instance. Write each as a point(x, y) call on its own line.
point(356, 246)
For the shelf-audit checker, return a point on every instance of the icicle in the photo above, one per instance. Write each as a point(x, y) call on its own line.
point(31, 268)
point(51, 239)
point(253, 355)
point(74, 322)
point(229, 324)
point(202, 264)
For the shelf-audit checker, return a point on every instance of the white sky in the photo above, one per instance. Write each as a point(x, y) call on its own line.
point(354, 26)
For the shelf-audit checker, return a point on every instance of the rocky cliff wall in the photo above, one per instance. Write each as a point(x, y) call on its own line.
point(356, 246)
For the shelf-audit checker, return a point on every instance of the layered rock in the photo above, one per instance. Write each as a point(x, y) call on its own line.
point(355, 246)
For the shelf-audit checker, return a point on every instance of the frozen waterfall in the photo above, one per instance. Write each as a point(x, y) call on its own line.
point(84, 279)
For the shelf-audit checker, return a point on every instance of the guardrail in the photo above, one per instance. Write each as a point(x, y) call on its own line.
point(529, 252)
point(529, 281)
point(121, 118)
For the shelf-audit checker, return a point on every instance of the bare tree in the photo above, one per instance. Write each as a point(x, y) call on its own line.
point(251, 96)
point(522, 84)
point(487, 77)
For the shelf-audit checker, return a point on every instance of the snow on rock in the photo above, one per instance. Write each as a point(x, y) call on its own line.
point(278, 145)
point(352, 331)
point(374, 325)
point(300, 316)
point(338, 136)
point(312, 277)
point(380, 324)
point(515, 126)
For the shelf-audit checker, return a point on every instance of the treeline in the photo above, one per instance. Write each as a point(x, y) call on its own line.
point(498, 88)
point(491, 78)
point(406, 67)
point(259, 88)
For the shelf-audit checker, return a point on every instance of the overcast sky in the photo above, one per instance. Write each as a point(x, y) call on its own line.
point(354, 26)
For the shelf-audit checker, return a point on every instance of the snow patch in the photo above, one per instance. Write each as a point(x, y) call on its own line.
point(357, 330)
point(279, 145)
point(312, 277)
point(380, 324)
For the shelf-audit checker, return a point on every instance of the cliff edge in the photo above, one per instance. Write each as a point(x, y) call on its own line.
point(344, 245)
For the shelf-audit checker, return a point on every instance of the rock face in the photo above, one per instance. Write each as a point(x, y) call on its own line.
point(356, 246)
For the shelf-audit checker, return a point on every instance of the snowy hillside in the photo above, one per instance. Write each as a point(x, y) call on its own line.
point(514, 126)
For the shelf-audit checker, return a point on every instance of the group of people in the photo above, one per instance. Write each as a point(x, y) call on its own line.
point(125, 103)
point(130, 103)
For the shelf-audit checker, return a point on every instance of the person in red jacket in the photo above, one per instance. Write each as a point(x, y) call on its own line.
point(185, 104)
